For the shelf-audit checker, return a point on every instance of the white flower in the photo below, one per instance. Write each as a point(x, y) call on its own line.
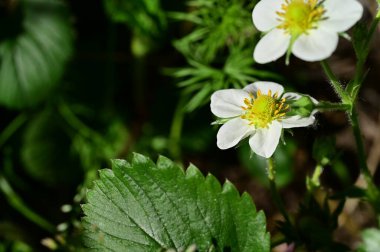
point(258, 111)
point(307, 28)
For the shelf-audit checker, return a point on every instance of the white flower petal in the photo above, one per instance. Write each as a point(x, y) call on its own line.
point(295, 96)
point(264, 14)
point(317, 45)
point(227, 103)
point(232, 132)
point(341, 14)
point(292, 96)
point(264, 87)
point(272, 46)
point(297, 121)
point(265, 141)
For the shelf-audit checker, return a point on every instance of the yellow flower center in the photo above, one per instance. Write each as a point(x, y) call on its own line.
point(264, 109)
point(299, 16)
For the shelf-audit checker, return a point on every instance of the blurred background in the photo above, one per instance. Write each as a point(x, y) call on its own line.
point(82, 83)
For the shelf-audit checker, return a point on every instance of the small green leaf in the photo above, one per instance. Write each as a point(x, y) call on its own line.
point(371, 240)
point(32, 61)
point(143, 206)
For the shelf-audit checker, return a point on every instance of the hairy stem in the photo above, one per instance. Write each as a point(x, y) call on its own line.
point(331, 106)
point(371, 187)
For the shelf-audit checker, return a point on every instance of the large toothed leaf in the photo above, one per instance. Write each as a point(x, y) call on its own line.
point(143, 206)
point(35, 44)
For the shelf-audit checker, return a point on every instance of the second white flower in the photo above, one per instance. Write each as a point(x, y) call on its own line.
point(258, 111)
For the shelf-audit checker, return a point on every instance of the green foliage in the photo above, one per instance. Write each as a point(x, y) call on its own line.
point(283, 160)
point(371, 240)
point(16, 246)
point(145, 17)
point(218, 50)
point(314, 226)
point(143, 206)
point(46, 151)
point(33, 57)
point(324, 150)
point(359, 40)
point(200, 80)
point(217, 23)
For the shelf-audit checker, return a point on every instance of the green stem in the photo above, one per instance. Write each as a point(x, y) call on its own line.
point(331, 106)
point(372, 29)
point(75, 122)
point(176, 129)
point(274, 192)
point(372, 189)
point(16, 202)
point(314, 182)
point(12, 128)
point(334, 82)
point(362, 57)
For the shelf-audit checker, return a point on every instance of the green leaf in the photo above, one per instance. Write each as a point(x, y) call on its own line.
point(218, 23)
point(32, 61)
point(143, 206)
point(371, 240)
point(46, 152)
point(144, 16)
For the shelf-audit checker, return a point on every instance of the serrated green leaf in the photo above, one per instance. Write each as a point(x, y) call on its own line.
point(143, 206)
point(32, 62)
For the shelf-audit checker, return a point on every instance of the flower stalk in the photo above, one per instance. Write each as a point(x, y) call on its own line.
point(348, 97)
point(373, 192)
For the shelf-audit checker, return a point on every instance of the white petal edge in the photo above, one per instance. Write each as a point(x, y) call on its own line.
point(227, 103)
point(272, 46)
point(297, 121)
point(292, 96)
point(264, 142)
point(264, 87)
point(341, 14)
point(295, 96)
point(318, 45)
point(232, 132)
point(264, 14)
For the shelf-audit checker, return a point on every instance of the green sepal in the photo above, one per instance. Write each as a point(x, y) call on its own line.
point(303, 106)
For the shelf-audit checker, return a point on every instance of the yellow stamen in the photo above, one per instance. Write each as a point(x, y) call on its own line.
point(300, 16)
point(264, 109)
